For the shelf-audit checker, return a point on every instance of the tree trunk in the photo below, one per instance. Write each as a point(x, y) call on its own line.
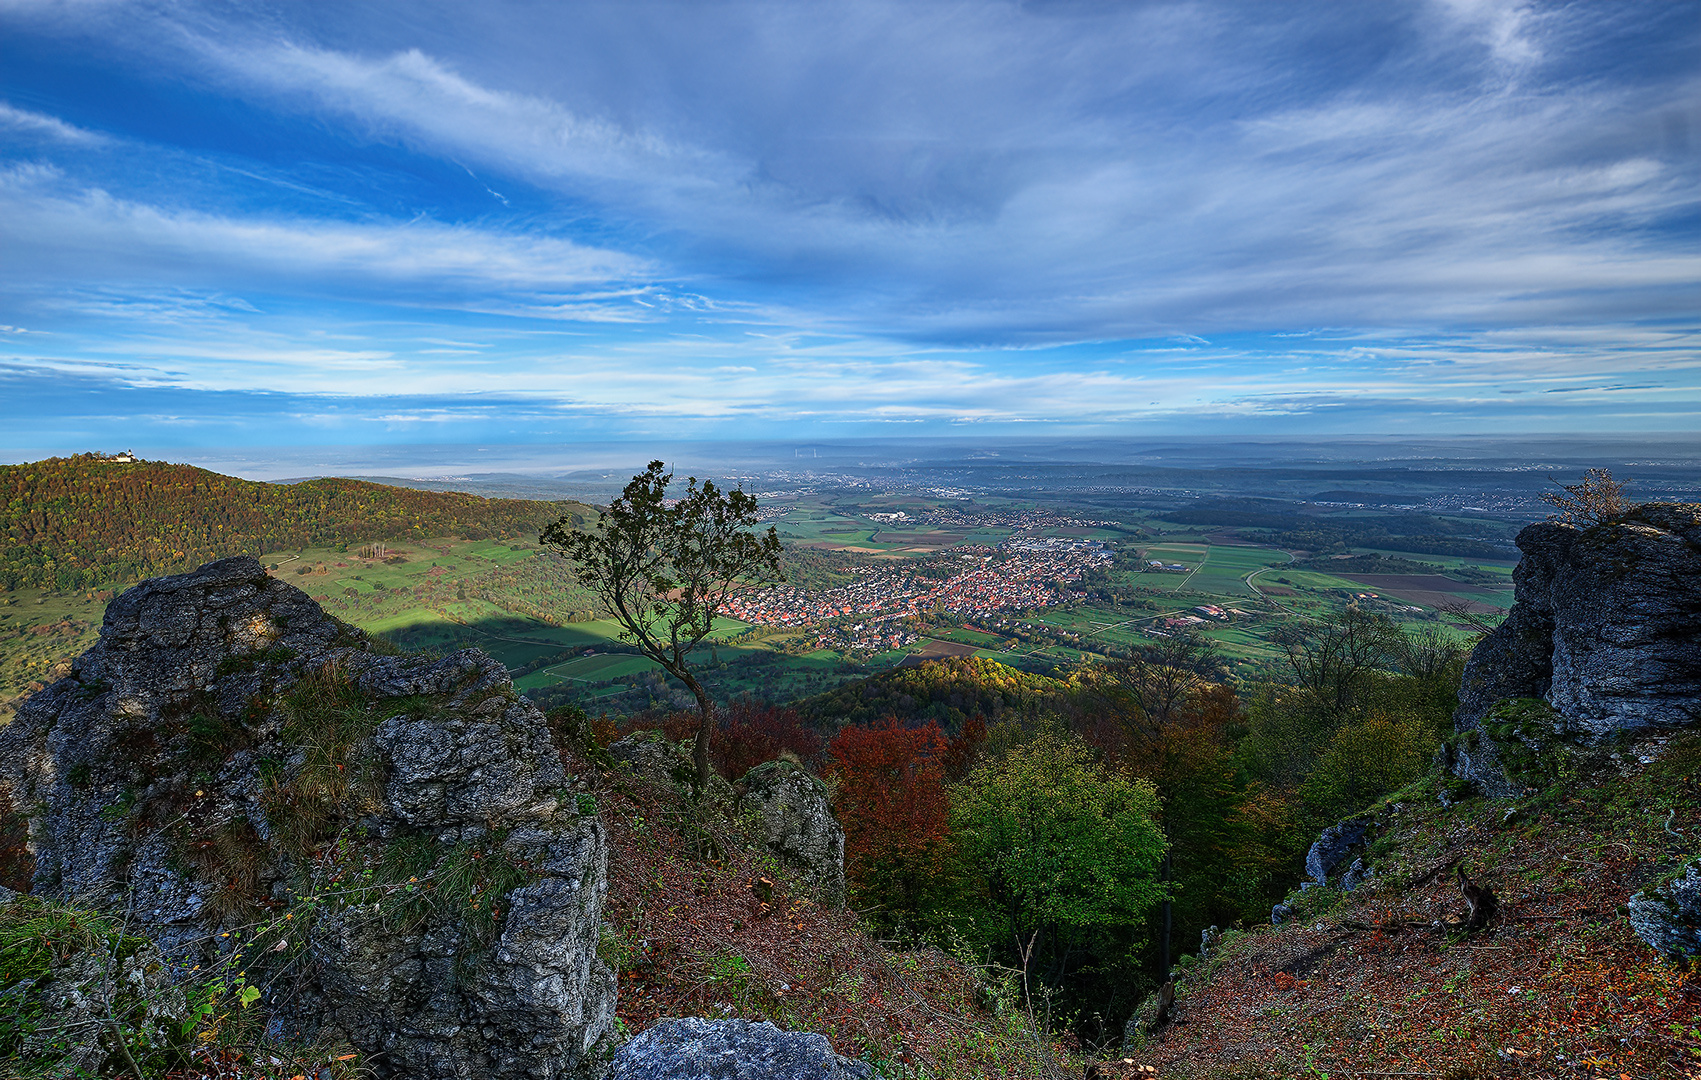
point(700, 748)
point(1163, 960)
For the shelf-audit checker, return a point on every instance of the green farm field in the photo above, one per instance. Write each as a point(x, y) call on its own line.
point(40, 631)
point(524, 608)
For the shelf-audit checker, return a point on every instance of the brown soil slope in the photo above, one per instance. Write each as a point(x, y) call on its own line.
point(1383, 981)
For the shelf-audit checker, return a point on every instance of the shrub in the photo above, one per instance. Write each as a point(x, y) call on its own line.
point(1599, 498)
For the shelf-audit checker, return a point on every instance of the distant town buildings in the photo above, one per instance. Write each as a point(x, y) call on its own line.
point(1059, 544)
point(884, 596)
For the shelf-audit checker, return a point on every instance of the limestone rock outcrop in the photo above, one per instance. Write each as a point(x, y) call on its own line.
point(228, 750)
point(795, 812)
point(1332, 847)
point(697, 1049)
point(1606, 629)
point(1668, 915)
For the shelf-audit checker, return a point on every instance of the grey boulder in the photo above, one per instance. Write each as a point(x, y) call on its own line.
point(1332, 847)
point(1668, 916)
point(697, 1049)
point(181, 775)
point(796, 818)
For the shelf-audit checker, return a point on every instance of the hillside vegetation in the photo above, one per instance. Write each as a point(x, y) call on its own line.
point(84, 522)
point(1040, 821)
point(1385, 980)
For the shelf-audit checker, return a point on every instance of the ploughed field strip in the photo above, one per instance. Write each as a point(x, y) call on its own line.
point(1435, 590)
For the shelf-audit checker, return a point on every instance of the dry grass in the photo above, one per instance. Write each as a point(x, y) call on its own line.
point(736, 936)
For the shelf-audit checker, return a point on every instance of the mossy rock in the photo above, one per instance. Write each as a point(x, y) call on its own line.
point(1528, 741)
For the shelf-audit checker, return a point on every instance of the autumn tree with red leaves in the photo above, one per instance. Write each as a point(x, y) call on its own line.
point(895, 810)
point(752, 731)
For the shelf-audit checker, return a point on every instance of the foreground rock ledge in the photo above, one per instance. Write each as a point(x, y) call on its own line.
point(228, 748)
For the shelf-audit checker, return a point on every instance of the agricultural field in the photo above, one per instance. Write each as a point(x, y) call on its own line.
point(523, 606)
point(1433, 590)
point(40, 631)
point(843, 523)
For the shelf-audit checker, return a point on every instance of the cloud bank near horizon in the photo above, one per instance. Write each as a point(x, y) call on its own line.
point(397, 222)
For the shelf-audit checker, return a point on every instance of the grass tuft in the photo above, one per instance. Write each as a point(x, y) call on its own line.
point(308, 800)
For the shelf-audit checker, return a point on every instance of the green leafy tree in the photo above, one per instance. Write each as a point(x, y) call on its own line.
point(1067, 851)
point(666, 571)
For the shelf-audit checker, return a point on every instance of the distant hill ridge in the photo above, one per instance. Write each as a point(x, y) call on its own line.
point(88, 521)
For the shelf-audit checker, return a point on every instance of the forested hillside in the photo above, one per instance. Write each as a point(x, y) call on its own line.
point(85, 521)
point(1040, 820)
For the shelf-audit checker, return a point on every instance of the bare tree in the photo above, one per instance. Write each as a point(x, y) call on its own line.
point(1427, 651)
point(1599, 498)
point(667, 571)
point(1159, 678)
point(1465, 613)
point(1332, 660)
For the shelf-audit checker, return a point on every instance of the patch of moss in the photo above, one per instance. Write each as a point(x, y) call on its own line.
point(1526, 736)
point(1309, 905)
point(415, 879)
point(35, 937)
point(213, 737)
point(277, 654)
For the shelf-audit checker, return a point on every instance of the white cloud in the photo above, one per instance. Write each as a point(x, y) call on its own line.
point(92, 234)
point(420, 98)
point(35, 123)
point(836, 184)
point(1507, 27)
point(1009, 175)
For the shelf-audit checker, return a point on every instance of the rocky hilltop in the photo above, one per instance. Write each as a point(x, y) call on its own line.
point(230, 756)
point(1604, 638)
point(236, 802)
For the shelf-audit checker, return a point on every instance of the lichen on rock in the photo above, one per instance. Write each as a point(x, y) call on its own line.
point(1668, 916)
point(697, 1049)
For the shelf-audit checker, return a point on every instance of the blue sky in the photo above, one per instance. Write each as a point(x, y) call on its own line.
point(240, 224)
